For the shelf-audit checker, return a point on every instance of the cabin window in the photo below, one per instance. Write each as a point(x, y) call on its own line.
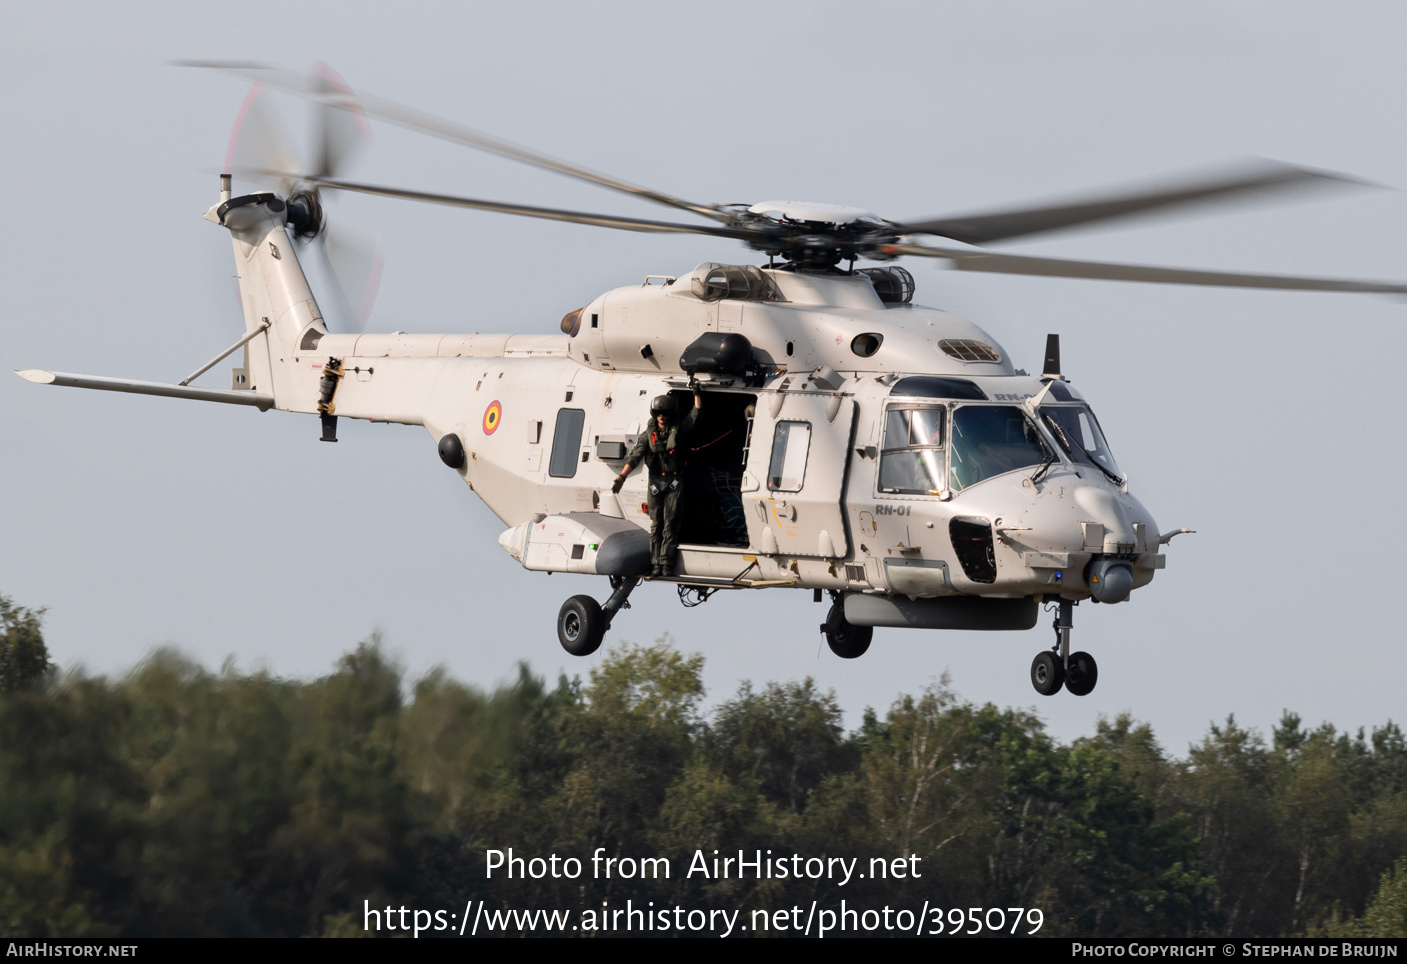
point(911, 454)
point(790, 444)
point(566, 441)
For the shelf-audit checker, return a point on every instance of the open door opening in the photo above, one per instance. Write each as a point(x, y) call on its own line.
point(713, 469)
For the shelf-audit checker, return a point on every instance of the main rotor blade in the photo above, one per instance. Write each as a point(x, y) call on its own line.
point(550, 214)
point(983, 228)
point(1103, 271)
point(312, 88)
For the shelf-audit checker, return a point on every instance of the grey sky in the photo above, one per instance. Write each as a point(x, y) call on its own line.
point(1269, 422)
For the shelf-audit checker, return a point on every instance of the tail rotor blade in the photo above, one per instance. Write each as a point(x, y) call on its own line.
point(355, 262)
point(261, 150)
point(340, 130)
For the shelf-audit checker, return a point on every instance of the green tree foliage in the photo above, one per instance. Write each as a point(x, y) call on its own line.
point(785, 740)
point(1295, 829)
point(24, 659)
point(179, 801)
point(1386, 914)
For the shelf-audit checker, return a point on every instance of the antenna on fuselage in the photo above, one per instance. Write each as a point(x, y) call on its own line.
point(1052, 358)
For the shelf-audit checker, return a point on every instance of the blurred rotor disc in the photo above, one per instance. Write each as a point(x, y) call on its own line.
point(262, 153)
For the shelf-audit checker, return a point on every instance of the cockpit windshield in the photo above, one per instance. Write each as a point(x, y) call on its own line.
point(989, 440)
point(1075, 428)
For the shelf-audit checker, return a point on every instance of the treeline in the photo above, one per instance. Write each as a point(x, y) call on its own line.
point(177, 801)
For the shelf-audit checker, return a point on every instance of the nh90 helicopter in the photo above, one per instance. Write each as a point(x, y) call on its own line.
point(850, 442)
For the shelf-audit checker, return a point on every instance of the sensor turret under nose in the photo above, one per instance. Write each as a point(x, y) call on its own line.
point(1110, 580)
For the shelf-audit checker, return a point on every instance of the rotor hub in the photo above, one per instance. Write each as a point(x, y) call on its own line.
point(814, 244)
point(305, 215)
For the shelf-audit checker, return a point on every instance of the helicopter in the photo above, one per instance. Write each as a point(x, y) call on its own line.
point(851, 442)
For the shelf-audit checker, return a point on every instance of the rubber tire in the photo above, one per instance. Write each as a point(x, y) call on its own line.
point(581, 625)
point(1047, 673)
point(846, 640)
point(1081, 674)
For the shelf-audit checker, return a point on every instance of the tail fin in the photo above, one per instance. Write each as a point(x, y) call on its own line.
point(273, 292)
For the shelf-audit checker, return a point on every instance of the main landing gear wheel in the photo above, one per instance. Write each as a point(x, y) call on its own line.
point(845, 640)
point(580, 625)
point(1047, 674)
point(1081, 674)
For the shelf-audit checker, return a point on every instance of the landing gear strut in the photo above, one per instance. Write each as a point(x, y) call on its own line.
point(846, 640)
point(582, 622)
point(1077, 672)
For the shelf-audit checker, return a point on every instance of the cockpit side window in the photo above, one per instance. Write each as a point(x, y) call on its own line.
point(911, 452)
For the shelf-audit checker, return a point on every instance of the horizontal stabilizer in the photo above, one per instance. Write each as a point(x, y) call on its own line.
point(257, 399)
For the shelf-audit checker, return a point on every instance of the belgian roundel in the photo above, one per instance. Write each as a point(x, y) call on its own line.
point(492, 416)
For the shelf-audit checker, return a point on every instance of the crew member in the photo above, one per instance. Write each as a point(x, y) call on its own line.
point(661, 448)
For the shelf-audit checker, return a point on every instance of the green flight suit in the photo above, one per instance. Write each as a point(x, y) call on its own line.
point(662, 455)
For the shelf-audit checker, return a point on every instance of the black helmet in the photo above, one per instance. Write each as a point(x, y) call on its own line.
point(664, 405)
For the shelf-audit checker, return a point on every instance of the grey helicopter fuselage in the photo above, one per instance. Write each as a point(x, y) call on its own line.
point(844, 441)
point(885, 452)
point(848, 442)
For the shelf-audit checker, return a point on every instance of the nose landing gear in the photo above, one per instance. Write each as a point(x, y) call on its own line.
point(1047, 674)
point(1081, 673)
point(1077, 672)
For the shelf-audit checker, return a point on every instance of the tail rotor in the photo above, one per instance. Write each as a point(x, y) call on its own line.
point(262, 153)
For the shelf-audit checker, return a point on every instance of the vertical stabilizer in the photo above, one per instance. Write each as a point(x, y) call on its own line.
point(274, 292)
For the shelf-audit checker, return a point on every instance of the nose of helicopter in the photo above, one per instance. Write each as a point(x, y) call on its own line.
point(1105, 509)
point(1117, 537)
